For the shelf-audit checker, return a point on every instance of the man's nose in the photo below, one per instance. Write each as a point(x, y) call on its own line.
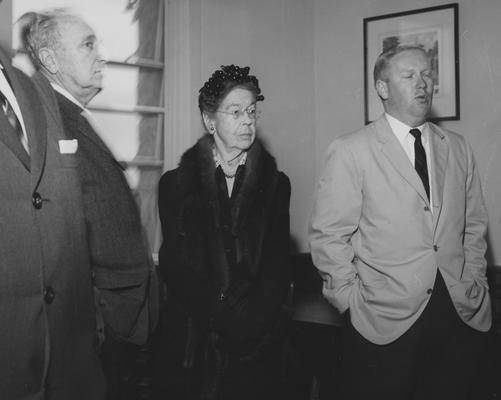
point(102, 54)
point(421, 83)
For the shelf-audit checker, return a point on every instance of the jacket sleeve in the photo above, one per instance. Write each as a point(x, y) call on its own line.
point(189, 288)
point(250, 317)
point(474, 244)
point(335, 217)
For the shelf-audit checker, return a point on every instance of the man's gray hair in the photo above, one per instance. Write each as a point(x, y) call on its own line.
point(41, 29)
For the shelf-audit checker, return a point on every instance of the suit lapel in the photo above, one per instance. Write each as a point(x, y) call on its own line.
point(35, 123)
point(9, 137)
point(31, 110)
point(439, 156)
point(393, 151)
point(46, 89)
point(73, 113)
point(86, 128)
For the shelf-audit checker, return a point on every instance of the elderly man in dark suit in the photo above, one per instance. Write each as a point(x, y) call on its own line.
point(65, 51)
point(47, 316)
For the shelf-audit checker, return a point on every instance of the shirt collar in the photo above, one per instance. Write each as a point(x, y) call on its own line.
point(66, 94)
point(401, 130)
point(218, 160)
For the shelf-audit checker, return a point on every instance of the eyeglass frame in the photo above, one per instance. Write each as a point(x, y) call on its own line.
point(237, 114)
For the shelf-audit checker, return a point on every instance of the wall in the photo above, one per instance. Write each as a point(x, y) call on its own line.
point(5, 23)
point(339, 83)
point(274, 38)
point(308, 56)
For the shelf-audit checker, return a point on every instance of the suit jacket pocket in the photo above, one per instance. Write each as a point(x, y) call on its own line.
point(469, 296)
point(370, 278)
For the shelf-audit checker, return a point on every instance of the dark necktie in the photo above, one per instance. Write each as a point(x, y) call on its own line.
point(11, 117)
point(420, 160)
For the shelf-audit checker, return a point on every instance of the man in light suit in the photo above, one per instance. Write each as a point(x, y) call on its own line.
point(65, 50)
point(397, 232)
point(47, 314)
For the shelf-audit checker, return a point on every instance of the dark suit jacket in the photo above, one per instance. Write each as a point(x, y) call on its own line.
point(47, 316)
point(120, 256)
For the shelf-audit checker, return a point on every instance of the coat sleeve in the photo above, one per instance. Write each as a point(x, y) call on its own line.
point(336, 213)
point(187, 287)
point(474, 243)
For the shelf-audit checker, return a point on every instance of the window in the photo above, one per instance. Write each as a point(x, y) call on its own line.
point(130, 110)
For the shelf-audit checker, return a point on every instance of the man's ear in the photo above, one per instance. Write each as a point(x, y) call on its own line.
point(48, 60)
point(382, 89)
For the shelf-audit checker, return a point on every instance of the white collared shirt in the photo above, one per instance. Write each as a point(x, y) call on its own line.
point(85, 112)
point(406, 140)
point(66, 94)
point(11, 98)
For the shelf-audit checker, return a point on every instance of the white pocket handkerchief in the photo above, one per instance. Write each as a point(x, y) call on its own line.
point(68, 146)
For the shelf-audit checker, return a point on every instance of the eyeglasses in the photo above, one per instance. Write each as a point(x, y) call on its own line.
point(251, 111)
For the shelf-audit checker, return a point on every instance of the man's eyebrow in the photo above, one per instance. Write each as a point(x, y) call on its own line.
point(89, 37)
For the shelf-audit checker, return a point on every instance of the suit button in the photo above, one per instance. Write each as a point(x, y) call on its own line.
point(429, 291)
point(48, 294)
point(435, 247)
point(37, 200)
point(426, 208)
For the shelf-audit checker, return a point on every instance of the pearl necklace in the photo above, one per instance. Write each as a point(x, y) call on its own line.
point(226, 164)
point(228, 176)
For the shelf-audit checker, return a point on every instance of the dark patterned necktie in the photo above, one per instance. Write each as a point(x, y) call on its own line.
point(420, 160)
point(11, 117)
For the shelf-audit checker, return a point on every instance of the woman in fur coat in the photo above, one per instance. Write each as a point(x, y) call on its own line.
point(224, 259)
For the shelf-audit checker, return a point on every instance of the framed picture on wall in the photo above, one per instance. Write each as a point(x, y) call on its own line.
point(435, 29)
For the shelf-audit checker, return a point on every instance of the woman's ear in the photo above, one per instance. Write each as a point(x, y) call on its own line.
point(48, 60)
point(209, 123)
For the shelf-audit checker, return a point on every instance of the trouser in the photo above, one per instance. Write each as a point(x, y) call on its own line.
point(438, 358)
point(314, 353)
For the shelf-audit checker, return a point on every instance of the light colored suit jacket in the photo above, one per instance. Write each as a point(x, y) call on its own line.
point(375, 236)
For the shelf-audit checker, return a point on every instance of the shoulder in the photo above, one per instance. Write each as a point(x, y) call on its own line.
point(353, 145)
point(22, 82)
point(456, 142)
point(271, 180)
point(67, 107)
point(446, 133)
point(167, 179)
point(184, 176)
point(361, 137)
point(43, 86)
point(284, 184)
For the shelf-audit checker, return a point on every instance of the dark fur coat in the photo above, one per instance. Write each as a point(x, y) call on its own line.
point(223, 314)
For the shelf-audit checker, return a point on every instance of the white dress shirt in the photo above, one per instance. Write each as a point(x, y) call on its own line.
point(85, 112)
point(406, 140)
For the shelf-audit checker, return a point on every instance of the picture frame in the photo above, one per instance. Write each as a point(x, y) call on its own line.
point(433, 28)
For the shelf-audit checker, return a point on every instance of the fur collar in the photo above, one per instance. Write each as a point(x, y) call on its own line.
point(197, 170)
point(251, 210)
